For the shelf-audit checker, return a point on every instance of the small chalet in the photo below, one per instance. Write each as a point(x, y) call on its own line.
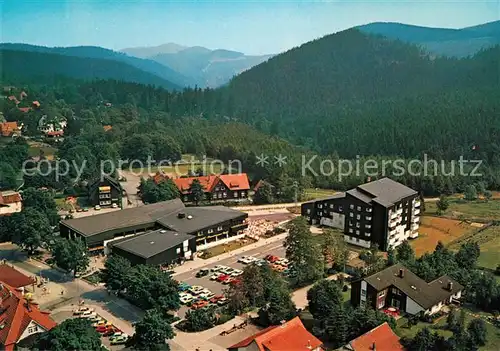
point(224, 187)
point(14, 99)
point(105, 192)
point(20, 319)
point(290, 336)
point(9, 129)
point(10, 202)
point(107, 128)
point(381, 338)
point(398, 288)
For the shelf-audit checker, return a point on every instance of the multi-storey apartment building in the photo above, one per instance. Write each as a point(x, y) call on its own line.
point(383, 212)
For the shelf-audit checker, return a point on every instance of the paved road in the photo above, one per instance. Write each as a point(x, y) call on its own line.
point(130, 187)
point(217, 288)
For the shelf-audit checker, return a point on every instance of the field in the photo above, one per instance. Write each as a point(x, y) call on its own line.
point(434, 229)
point(474, 210)
point(317, 193)
point(36, 147)
point(489, 242)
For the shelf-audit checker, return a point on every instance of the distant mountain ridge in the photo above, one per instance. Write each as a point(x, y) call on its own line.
point(43, 66)
point(440, 41)
point(95, 52)
point(206, 67)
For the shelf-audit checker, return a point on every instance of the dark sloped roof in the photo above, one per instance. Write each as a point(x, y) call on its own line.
point(113, 181)
point(152, 243)
point(339, 195)
point(197, 218)
point(142, 215)
point(359, 195)
point(423, 293)
point(387, 190)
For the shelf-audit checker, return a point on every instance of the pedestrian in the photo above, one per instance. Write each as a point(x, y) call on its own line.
point(62, 292)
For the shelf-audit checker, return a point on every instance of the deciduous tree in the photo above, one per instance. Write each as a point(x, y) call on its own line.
point(116, 270)
point(152, 332)
point(70, 254)
point(31, 230)
point(72, 334)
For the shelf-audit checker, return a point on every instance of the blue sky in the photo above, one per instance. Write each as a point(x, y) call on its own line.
point(254, 27)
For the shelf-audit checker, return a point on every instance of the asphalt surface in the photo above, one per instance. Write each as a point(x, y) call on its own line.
point(217, 288)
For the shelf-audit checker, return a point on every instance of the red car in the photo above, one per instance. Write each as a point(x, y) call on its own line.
point(199, 304)
point(216, 298)
point(104, 329)
point(111, 331)
point(272, 258)
point(235, 282)
point(222, 278)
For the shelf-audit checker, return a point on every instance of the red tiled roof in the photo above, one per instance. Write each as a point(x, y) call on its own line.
point(160, 177)
point(382, 336)
point(13, 277)
point(36, 103)
point(25, 109)
point(291, 336)
point(13, 98)
point(17, 314)
point(56, 133)
point(107, 128)
point(207, 182)
point(7, 128)
point(232, 181)
point(9, 197)
point(235, 181)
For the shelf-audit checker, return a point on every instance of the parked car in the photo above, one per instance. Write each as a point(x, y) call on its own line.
point(97, 207)
point(261, 262)
point(185, 299)
point(183, 286)
point(222, 301)
point(88, 314)
point(247, 259)
point(120, 340)
point(235, 282)
point(236, 273)
point(282, 262)
point(218, 268)
point(216, 298)
point(199, 304)
point(114, 206)
point(215, 275)
point(196, 289)
point(228, 270)
point(202, 273)
point(112, 331)
point(85, 209)
point(80, 310)
point(207, 295)
point(222, 278)
point(99, 322)
point(103, 329)
point(117, 334)
point(272, 258)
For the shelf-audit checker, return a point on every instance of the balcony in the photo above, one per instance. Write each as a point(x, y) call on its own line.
point(416, 219)
point(417, 203)
point(392, 232)
point(394, 215)
point(368, 218)
point(399, 212)
point(414, 226)
point(416, 211)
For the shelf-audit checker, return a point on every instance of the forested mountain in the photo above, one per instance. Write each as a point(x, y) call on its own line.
point(441, 41)
point(21, 66)
point(353, 93)
point(96, 52)
point(205, 67)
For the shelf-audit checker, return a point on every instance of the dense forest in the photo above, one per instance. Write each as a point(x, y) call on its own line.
point(345, 96)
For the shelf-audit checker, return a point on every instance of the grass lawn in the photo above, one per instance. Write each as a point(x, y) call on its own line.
point(493, 343)
point(490, 249)
point(62, 204)
point(473, 210)
point(35, 147)
point(317, 193)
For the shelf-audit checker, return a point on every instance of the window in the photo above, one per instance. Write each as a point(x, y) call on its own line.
point(368, 218)
point(219, 228)
point(33, 329)
point(178, 250)
point(350, 223)
point(243, 194)
point(224, 194)
point(368, 234)
point(351, 214)
point(308, 211)
point(368, 226)
point(341, 208)
point(359, 208)
point(381, 294)
point(368, 209)
point(235, 194)
point(357, 232)
point(351, 206)
point(210, 231)
point(358, 225)
point(358, 216)
point(320, 206)
point(331, 205)
point(396, 291)
point(351, 230)
point(357, 240)
point(363, 293)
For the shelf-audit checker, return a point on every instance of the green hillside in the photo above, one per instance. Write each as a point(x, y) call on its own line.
point(25, 66)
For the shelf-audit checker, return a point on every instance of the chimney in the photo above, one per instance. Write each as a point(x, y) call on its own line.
point(181, 215)
point(373, 346)
point(401, 272)
point(450, 286)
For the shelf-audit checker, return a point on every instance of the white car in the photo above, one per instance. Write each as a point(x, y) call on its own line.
point(114, 206)
point(80, 310)
point(282, 262)
point(236, 272)
point(219, 268)
point(207, 295)
point(216, 275)
point(222, 301)
point(228, 270)
point(88, 314)
point(196, 289)
point(244, 259)
point(185, 299)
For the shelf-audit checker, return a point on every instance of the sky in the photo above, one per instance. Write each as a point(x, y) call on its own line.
point(252, 27)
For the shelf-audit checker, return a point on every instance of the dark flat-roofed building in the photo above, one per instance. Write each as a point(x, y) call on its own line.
point(206, 225)
point(383, 212)
point(155, 247)
point(398, 287)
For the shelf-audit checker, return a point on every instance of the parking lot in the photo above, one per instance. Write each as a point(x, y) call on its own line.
point(218, 286)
